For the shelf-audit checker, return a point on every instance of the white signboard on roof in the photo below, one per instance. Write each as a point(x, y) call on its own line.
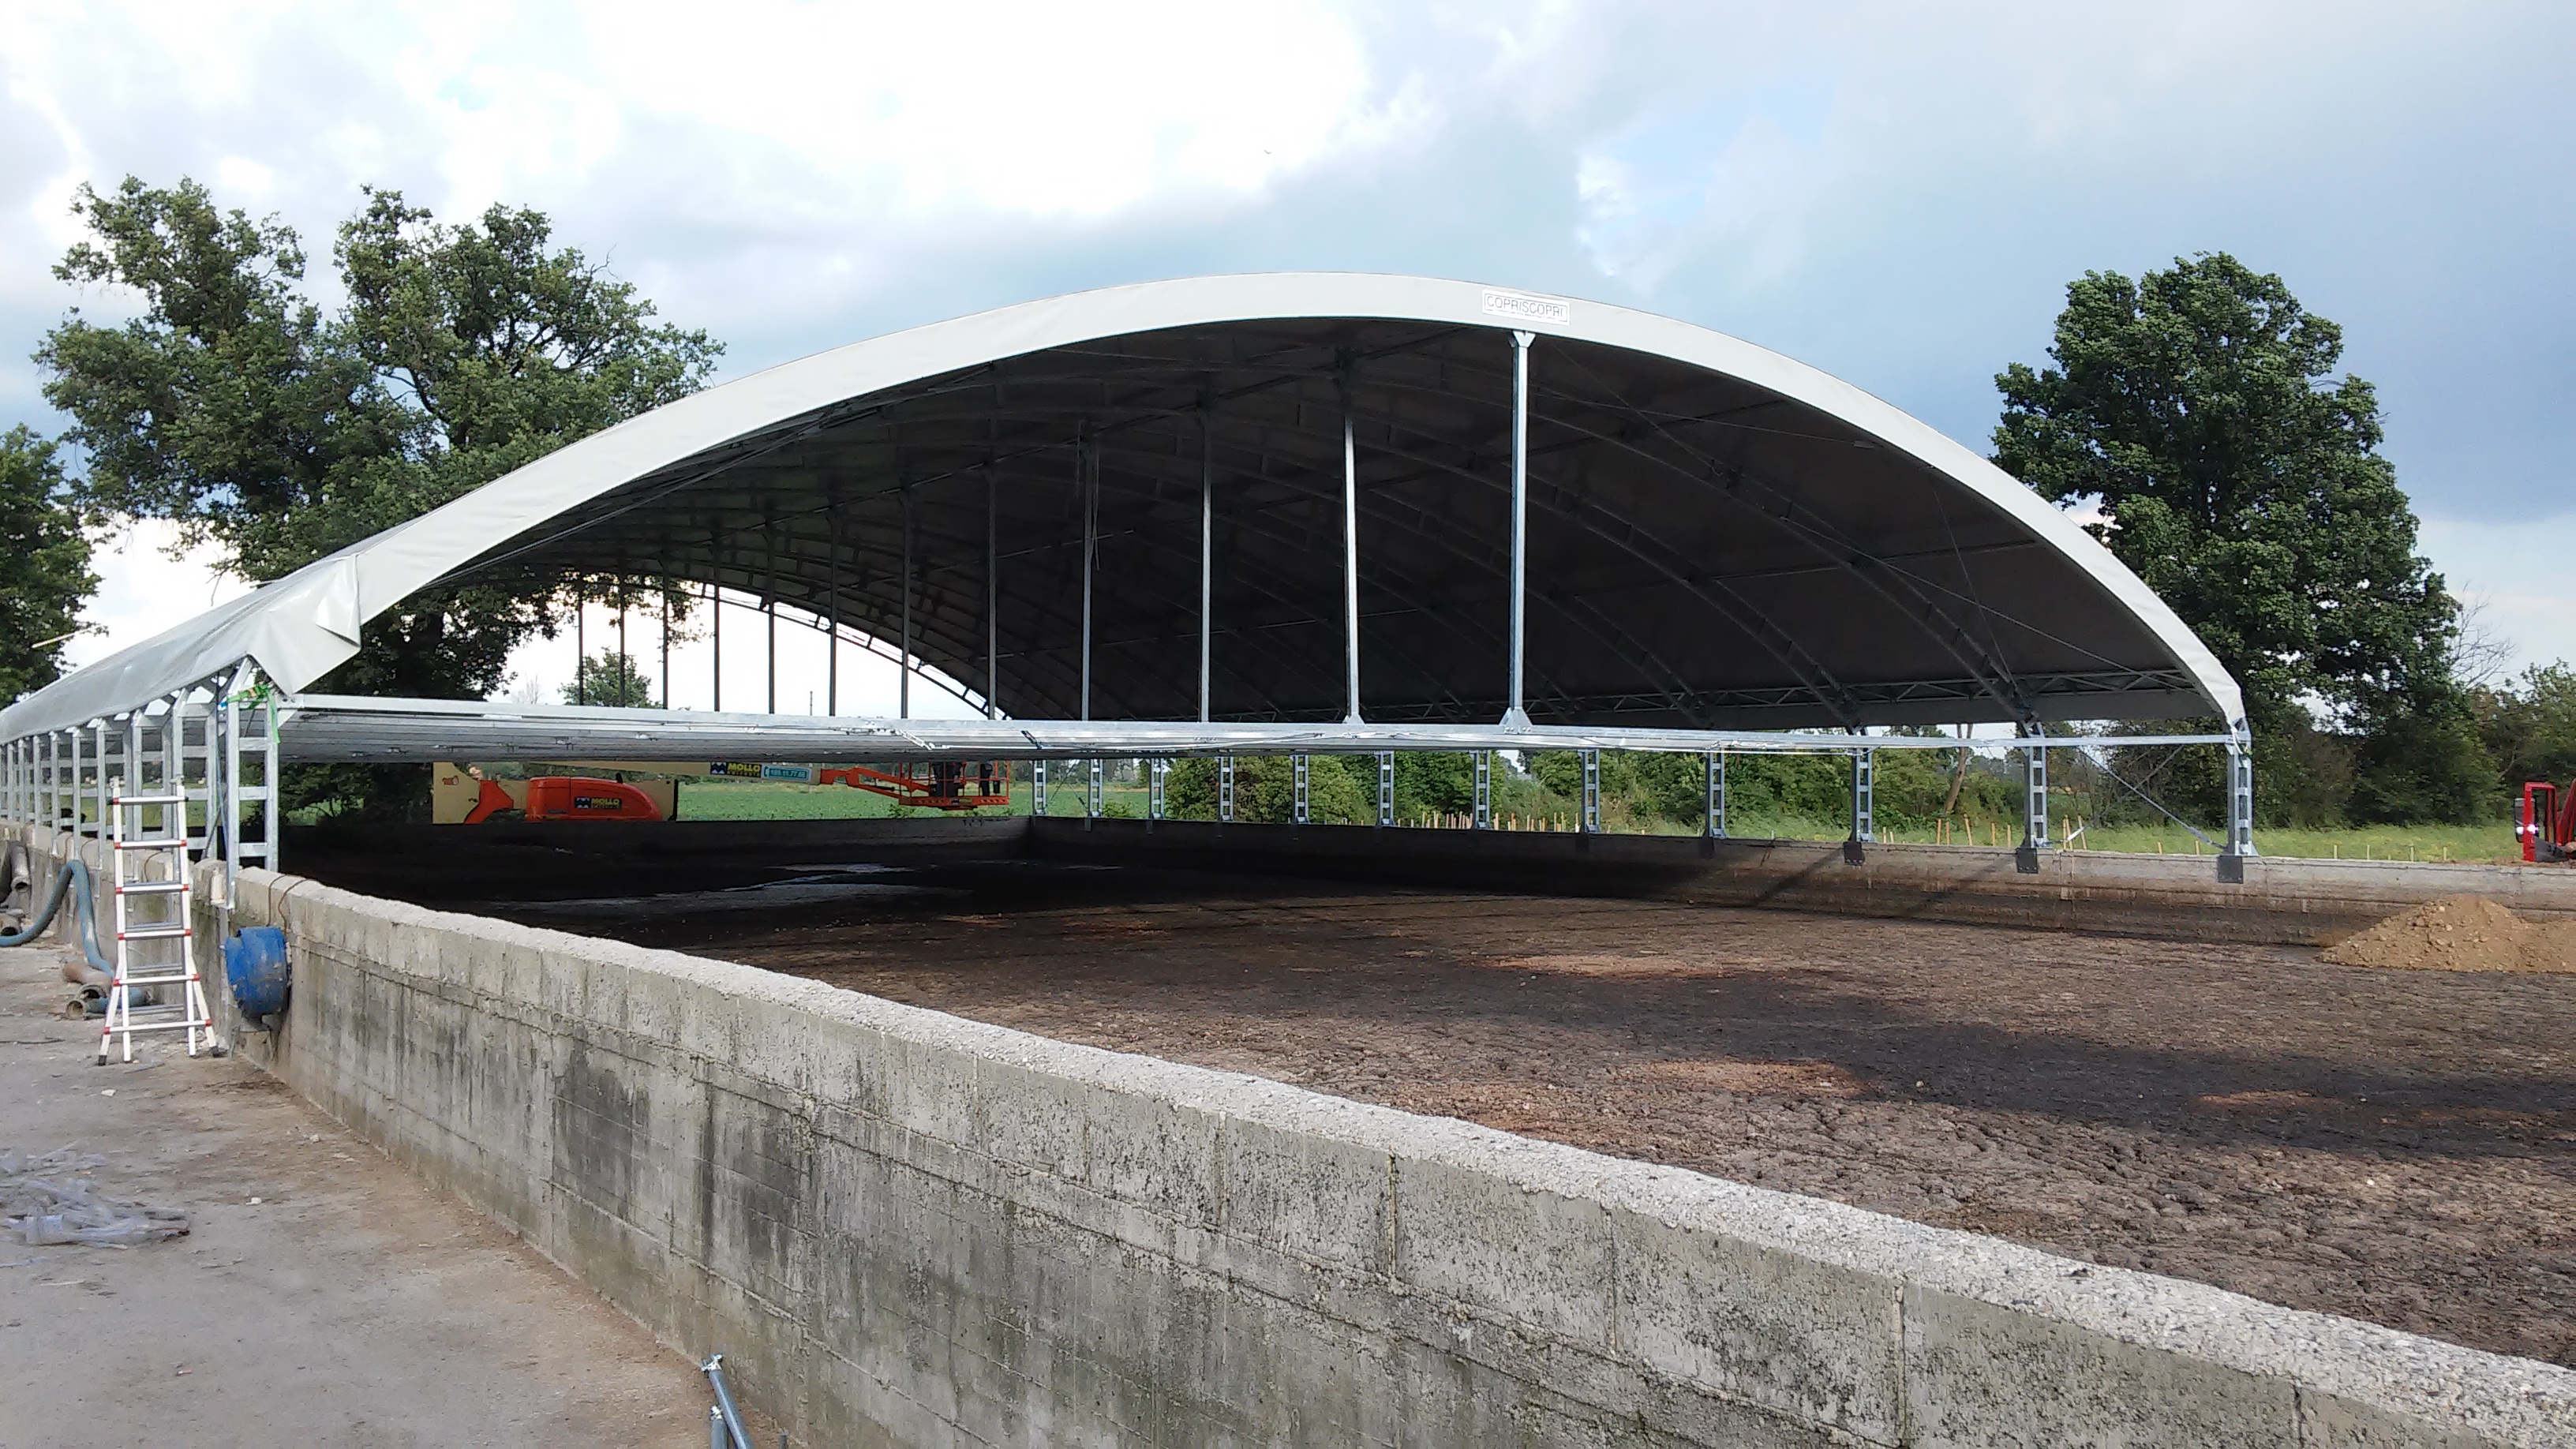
point(1527, 307)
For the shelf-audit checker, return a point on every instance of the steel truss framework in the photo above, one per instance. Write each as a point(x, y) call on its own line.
point(1294, 515)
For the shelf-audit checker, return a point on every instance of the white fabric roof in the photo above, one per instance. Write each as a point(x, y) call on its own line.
point(301, 627)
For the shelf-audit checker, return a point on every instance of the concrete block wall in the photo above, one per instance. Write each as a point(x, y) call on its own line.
point(905, 1228)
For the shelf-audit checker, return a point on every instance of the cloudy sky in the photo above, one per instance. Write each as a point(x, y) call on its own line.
point(1896, 194)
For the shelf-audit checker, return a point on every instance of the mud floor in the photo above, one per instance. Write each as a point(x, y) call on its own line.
point(2398, 1146)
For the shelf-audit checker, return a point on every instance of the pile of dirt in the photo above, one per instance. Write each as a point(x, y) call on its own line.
point(2461, 933)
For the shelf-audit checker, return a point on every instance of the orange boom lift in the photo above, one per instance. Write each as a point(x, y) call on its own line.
point(934, 785)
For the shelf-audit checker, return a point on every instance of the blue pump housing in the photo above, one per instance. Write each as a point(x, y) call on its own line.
point(255, 967)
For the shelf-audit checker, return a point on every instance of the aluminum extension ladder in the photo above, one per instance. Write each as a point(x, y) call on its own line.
point(135, 879)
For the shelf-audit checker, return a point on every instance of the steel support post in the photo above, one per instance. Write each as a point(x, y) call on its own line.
point(1087, 467)
point(1225, 789)
point(1386, 787)
point(1155, 771)
point(1515, 713)
point(1713, 783)
point(715, 634)
point(220, 810)
point(2034, 804)
point(1864, 784)
point(832, 610)
point(903, 678)
point(992, 599)
point(1207, 559)
point(105, 786)
point(666, 647)
point(196, 766)
point(1297, 768)
point(580, 651)
point(1350, 560)
point(1591, 792)
point(1037, 787)
point(272, 792)
point(1092, 802)
point(769, 606)
point(1483, 819)
point(2240, 805)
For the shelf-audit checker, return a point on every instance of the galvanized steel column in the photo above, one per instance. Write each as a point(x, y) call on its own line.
point(2240, 801)
point(1515, 712)
point(1207, 553)
point(1483, 818)
point(903, 679)
point(992, 601)
point(1386, 787)
point(1591, 792)
point(1713, 783)
point(1864, 772)
point(832, 609)
point(2034, 797)
point(1086, 467)
point(1297, 766)
point(1350, 561)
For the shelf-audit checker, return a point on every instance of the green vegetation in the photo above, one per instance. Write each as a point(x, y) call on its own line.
point(610, 678)
point(235, 407)
point(2198, 410)
point(1770, 798)
point(44, 564)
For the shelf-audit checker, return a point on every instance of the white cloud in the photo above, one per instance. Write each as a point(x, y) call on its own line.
point(145, 588)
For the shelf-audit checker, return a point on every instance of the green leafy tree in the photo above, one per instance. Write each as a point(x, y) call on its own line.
point(2529, 726)
point(1265, 789)
point(610, 678)
point(44, 564)
point(234, 406)
point(2199, 410)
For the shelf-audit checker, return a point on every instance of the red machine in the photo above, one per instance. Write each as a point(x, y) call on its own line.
point(2547, 823)
point(564, 797)
point(943, 785)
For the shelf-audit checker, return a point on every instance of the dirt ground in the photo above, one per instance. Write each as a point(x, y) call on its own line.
point(323, 1296)
point(2398, 1146)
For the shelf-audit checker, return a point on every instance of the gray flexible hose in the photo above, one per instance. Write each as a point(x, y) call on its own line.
point(74, 876)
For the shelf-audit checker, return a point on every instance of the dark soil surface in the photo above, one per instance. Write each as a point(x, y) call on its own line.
point(2398, 1146)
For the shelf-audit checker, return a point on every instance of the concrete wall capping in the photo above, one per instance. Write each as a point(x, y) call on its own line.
point(906, 1227)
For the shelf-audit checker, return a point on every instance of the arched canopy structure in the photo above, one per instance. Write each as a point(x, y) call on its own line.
point(1718, 537)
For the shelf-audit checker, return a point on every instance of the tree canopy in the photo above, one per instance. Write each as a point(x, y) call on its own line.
point(44, 564)
point(235, 406)
point(2199, 410)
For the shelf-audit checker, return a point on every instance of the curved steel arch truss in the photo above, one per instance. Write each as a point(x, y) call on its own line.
point(1717, 538)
